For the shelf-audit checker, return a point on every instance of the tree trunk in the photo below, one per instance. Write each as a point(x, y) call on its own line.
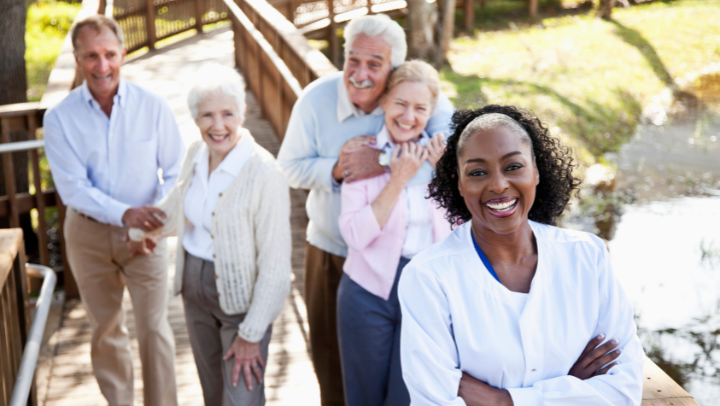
point(13, 89)
point(445, 31)
point(422, 17)
point(605, 9)
point(13, 77)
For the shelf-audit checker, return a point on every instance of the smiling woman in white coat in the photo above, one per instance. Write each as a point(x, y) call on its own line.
point(501, 311)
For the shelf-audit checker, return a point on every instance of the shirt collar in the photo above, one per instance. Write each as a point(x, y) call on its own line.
point(345, 108)
point(235, 159)
point(384, 142)
point(118, 98)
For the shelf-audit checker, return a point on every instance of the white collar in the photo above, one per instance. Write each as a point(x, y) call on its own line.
point(119, 98)
point(235, 159)
point(383, 139)
point(346, 108)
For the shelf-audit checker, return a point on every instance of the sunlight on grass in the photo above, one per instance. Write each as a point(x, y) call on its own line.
point(48, 23)
point(588, 79)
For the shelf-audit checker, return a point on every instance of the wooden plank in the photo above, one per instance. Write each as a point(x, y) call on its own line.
point(658, 386)
point(39, 198)
point(19, 109)
point(10, 242)
point(9, 175)
point(27, 202)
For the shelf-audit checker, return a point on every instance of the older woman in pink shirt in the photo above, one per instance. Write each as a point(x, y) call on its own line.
point(385, 221)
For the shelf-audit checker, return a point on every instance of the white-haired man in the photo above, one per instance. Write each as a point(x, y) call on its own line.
point(105, 143)
point(325, 146)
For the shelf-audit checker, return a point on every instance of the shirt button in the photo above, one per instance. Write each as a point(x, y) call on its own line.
point(213, 213)
point(213, 255)
point(212, 236)
point(216, 276)
point(218, 294)
point(534, 370)
point(220, 194)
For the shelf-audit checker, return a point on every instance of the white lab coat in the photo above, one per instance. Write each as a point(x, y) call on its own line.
point(458, 318)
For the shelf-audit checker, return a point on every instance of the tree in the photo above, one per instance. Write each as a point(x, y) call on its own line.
point(605, 9)
point(13, 77)
point(13, 89)
point(446, 28)
point(422, 18)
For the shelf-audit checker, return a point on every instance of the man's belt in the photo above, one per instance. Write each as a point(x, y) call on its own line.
point(85, 216)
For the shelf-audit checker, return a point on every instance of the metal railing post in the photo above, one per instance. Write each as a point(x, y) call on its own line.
point(26, 372)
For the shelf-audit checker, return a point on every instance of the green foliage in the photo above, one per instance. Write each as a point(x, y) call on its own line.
point(48, 22)
point(588, 79)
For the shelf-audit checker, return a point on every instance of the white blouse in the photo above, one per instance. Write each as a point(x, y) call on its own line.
point(457, 318)
point(205, 191)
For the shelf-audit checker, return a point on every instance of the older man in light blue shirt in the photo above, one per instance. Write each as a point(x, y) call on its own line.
point(106, 142)
point(325, 144)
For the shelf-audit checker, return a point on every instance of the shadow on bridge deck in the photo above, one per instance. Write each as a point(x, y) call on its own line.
point(290, 379)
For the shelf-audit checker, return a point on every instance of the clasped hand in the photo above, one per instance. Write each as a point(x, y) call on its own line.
point(359, 160)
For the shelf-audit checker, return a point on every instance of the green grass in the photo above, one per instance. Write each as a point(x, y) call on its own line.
point(48, 22)
point(588, 79)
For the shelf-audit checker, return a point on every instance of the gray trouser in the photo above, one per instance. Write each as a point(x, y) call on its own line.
point(212, 333)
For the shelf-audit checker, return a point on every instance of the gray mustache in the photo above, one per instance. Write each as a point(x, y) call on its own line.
point(363, 84)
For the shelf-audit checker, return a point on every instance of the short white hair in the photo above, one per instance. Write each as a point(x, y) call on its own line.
point(378, 25)
point(212, 79)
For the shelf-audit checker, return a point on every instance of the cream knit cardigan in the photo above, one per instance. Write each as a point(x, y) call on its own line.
point(251, 235)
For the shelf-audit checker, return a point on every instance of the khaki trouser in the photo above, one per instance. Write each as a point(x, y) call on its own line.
point(323, 272)
point(101, 264)
point(212, 333)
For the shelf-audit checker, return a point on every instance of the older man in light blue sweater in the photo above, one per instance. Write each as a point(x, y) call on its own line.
point(327, 143)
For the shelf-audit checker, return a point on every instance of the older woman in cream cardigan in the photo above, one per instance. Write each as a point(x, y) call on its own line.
point(230, 209)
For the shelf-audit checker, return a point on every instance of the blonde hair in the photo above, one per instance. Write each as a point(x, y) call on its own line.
point(419, 72)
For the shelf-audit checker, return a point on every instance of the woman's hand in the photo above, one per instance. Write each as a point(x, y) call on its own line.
point(405, 166)
point(477, 393)
point(138, 248)
point(247, 358)
point(435, 148)
point(592, 359)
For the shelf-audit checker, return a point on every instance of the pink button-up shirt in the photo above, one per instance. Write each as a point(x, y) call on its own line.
point(374, 252)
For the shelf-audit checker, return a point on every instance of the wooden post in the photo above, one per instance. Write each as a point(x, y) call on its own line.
point(469, 15)
point(198, 15)
point(39, 198)
point(369, 7)
point(332, 28)
point(10, 176)
point(533, 8)
point(101, 7)
point(150, 23)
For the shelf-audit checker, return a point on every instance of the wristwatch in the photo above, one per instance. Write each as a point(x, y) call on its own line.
point(384, 160)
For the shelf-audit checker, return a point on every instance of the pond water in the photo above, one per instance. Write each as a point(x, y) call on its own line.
point(659, 209)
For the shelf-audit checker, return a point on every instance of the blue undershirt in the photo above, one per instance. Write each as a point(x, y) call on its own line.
point(485, 259)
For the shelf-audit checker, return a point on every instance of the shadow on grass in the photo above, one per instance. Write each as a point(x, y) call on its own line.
point(599, 127)
point(636, 39)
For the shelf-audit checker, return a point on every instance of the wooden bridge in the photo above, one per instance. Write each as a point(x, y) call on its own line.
point(277, 62)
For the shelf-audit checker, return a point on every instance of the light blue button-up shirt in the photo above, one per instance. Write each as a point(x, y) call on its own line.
point(322, 120)
point(103, 165)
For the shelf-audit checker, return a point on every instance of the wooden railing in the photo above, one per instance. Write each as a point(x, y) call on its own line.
point(144, 22)
point(14, 311)
point(26, 119)
point(274, 57)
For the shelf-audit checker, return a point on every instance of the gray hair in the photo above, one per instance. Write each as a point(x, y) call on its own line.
point(382, 26)
point(96, 22)
point(494, 120)
point(213, 79)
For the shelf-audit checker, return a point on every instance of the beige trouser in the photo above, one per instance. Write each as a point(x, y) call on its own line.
point(212, 333)
point(101, 264)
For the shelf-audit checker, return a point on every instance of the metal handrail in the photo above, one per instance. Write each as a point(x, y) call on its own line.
point(26, 372)
point(21, 146)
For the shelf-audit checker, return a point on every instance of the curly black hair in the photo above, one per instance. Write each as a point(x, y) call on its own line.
point(552, 157)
